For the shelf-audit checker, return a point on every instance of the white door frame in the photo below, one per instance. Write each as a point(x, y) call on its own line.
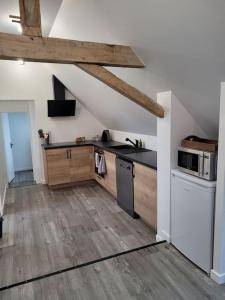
point(27, 106)
point(7, 147)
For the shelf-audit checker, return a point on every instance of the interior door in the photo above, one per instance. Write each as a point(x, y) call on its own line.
point(8, 147)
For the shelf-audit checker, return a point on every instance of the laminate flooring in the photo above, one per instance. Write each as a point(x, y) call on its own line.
point(45, 231)
point(22, 178)
point(156, 273)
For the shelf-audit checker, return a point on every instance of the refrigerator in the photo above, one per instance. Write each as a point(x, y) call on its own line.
point(192, 217)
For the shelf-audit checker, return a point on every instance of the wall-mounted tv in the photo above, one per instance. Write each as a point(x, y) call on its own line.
point(63, 108)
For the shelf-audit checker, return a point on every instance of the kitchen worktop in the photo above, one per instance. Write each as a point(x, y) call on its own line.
point(147, 158)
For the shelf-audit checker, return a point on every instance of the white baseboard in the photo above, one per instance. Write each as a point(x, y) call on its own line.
point(162, 236)
point(218, 278)
point(158, 238)
point(43, 181)
point(23, 169)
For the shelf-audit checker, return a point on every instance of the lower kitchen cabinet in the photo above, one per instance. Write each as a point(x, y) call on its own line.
point(57, 166)
point(109, 180)
point(145, 194)
point(81, 163)
point(67, 165)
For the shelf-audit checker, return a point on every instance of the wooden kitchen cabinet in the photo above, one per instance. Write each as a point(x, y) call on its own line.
point(145, 194)
point(68, 165)
point(109, 180)
point(57, 166)
point(81, 163)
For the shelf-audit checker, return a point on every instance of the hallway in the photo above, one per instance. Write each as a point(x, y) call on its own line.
point(22, 178)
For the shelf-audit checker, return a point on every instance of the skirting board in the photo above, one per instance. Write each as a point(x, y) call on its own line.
point(24, 169)
point(42, 181)
point(162, 236)
point(218, 278)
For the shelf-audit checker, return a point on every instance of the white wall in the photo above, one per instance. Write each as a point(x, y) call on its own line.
point(7, 146)
point(32, 82)
point(174, 55)
point(176, 125)
point(82, 20)
point(3, 171)
point(20, 137)
point(149, 141)
point(218, 272)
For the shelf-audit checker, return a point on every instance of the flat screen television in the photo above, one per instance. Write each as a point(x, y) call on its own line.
point(61, 108)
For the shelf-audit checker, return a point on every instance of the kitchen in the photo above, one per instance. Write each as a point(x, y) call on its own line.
point(120, 207)
point(76, 210)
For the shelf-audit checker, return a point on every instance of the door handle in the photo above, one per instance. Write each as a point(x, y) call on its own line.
point(11, 145)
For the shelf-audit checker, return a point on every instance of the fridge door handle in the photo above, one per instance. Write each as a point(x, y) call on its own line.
point(201, 165)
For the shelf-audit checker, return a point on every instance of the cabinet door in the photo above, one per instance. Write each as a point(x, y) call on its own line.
point(110, 177)
point(81, 163)
point(145, 194)
point(58, 166)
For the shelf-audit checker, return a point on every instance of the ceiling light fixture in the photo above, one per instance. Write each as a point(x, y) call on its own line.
point(20, 62)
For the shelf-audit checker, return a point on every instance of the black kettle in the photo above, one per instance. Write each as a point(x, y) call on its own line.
point(105, 136)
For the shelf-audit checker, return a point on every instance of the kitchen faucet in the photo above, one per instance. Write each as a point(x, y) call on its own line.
point(135, 144)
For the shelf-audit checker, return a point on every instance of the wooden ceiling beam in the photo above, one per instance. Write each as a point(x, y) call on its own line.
point(55, 50)
point(88, 56)
point(123, 88)
point(30, 17)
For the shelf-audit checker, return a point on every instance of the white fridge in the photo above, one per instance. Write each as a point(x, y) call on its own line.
point(192, 217)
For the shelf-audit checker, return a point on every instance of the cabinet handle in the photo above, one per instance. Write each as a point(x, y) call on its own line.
point(70, 154)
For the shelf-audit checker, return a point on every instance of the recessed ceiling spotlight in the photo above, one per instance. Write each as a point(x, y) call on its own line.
point(20, 62)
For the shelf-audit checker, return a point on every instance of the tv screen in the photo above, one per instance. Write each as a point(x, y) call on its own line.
point(61, 108)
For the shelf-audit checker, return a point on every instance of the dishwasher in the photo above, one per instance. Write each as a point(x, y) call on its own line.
point(125, 186)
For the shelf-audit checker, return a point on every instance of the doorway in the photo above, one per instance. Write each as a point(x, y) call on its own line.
point(17, 144)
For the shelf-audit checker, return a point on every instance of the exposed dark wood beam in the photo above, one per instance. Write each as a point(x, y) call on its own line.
point(30, 17)
point(123, 88)
point(55, 50)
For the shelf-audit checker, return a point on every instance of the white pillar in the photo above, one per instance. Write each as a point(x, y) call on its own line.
point(163, 167)
point(176, 125)
point(218, 272)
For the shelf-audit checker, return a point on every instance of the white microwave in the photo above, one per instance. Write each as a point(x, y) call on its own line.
point(198, 163)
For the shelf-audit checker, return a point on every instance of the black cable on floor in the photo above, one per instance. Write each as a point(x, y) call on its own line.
point(7, 287)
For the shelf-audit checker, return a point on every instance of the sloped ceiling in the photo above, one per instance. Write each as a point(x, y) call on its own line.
point(49, 9)
point(181, 42)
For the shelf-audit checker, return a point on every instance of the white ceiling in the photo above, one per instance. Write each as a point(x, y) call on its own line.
point(181, 42)
point(49, 9)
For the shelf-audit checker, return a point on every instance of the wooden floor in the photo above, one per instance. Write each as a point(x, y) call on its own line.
point(157, 273)
point(22, 178)
point(46, 231)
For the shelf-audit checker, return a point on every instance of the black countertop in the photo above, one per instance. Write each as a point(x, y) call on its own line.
point(147, 158)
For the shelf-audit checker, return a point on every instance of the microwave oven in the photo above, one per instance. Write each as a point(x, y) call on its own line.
point(198, 163)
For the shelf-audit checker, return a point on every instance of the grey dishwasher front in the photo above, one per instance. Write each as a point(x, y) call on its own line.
point(125, 186)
